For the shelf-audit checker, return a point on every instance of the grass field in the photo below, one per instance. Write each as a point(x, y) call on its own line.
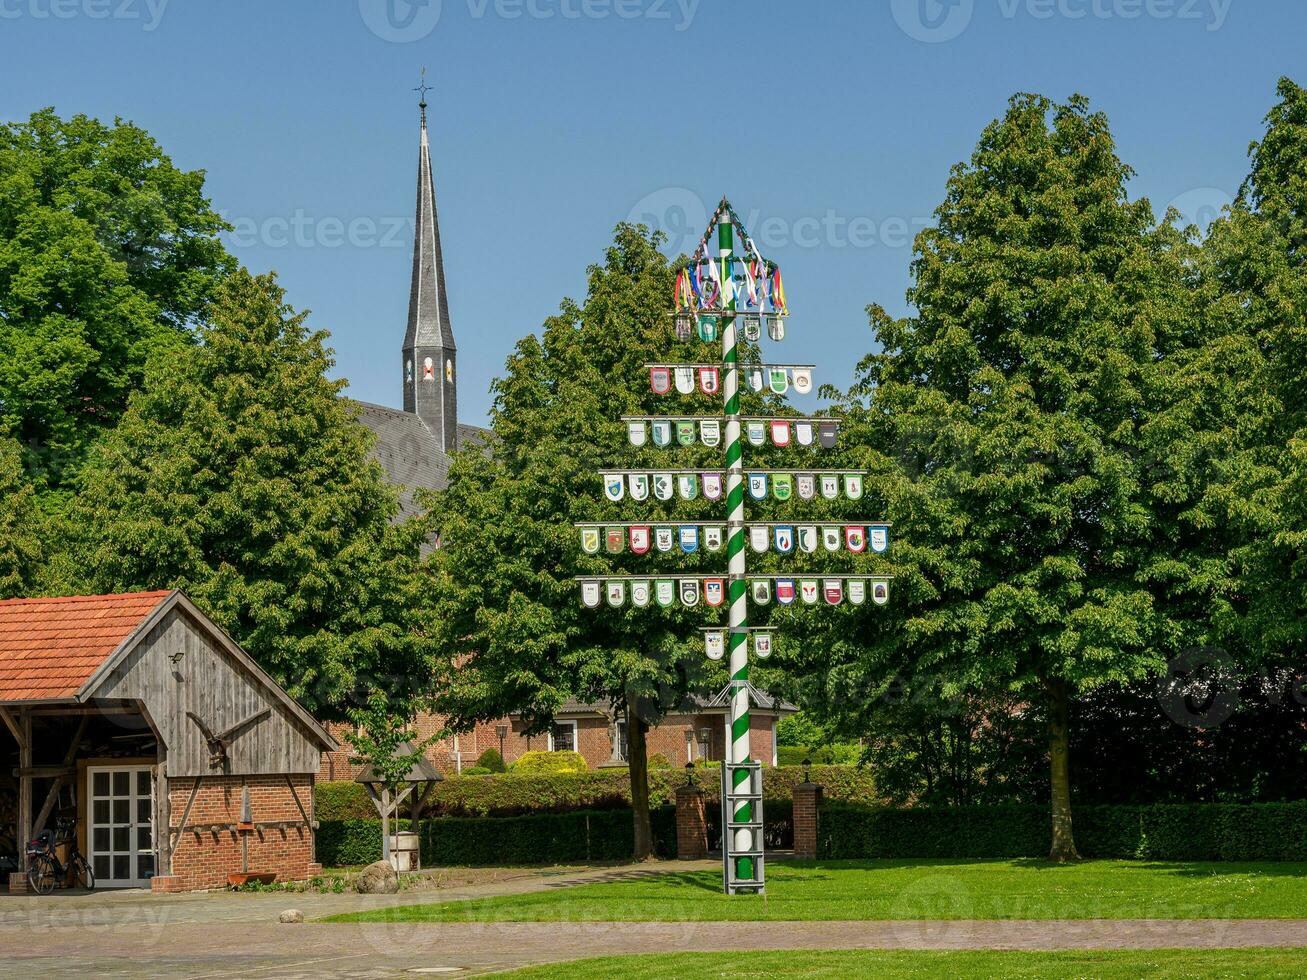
point(897, 963)
point(1017, 889)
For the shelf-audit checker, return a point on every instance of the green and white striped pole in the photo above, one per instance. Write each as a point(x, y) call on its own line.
point(737, 643)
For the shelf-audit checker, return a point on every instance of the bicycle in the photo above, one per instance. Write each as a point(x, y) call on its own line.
point(45, 870)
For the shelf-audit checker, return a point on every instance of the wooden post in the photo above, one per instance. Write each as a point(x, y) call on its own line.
point(24, 786)
point(385, 824)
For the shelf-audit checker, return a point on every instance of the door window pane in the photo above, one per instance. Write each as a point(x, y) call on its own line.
point(122, 783)
point(101, 784)
point(143, 783)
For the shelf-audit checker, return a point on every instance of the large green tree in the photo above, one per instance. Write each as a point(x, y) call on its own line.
point(240, 475)
point(518, 637)
point(1001, 422)
point(21, 539)
point(1255, 272)
point(108, 252)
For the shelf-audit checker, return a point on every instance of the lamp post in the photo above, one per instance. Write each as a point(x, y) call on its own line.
point(502, 732)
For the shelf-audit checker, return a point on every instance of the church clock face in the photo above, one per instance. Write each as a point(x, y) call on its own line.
point(449, 369)
point(408, 371)
point(428, 370)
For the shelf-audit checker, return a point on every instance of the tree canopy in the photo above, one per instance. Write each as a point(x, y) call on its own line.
point(239, 474)
point(108, 253)
point(1002, 423)
point(519, 637)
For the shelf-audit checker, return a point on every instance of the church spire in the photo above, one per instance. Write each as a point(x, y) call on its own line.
point(430, 382)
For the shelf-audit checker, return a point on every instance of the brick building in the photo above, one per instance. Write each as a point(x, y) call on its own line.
point(594, 731)
point(139, 721)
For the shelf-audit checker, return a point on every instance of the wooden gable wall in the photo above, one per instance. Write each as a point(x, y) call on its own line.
point(213, 685)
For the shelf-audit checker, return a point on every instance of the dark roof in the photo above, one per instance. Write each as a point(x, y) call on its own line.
point(758, 698)
point(407, 450)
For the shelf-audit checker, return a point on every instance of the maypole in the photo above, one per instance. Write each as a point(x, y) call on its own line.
point(738, 613)
point(713, 293)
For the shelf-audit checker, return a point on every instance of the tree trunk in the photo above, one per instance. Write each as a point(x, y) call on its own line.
point(639, 765)
point(1059, 757)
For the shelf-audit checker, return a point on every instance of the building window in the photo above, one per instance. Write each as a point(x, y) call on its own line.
point(562, 737)
point(621, 741)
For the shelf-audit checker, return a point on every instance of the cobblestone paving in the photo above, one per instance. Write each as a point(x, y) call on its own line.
point(135, 934)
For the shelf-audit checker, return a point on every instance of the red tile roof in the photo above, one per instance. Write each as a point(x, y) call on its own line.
point(50, 647)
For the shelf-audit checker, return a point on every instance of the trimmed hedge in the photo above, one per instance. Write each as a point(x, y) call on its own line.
point(539, 763)
point(514, 794)
point(542, 838)
point(1159, 832)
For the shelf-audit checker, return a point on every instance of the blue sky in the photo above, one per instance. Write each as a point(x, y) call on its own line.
point(831, 125)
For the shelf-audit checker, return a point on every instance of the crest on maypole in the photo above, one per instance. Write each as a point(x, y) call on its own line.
point(748, 286)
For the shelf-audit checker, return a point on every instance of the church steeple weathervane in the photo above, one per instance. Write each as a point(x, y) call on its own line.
point(430, 383)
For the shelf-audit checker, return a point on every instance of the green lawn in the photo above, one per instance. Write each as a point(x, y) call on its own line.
point(898, 963)
point(1017, 889)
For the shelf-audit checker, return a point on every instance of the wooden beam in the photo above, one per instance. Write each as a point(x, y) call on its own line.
point(7, 717)
point(187, 812)
point(43, 772)
point(290, 783)
point(24, 786)
point(53, 796)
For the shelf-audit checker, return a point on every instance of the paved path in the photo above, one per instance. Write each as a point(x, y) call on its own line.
point(135, 934)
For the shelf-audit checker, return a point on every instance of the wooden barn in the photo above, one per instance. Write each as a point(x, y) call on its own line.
point(182, 762)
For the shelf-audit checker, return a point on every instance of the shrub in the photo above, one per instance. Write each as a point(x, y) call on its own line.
point(603, 789)
point(342, 800)
point(542, 762)
point(476, 771)
point(492, 761)
point(1160, 832)
point(348, 842)
point(836, 754)
point(659, 761)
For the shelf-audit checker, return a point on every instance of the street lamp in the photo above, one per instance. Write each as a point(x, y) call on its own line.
point(502, 732)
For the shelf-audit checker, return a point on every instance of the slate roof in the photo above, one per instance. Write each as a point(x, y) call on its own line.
point(409, 452)
point(49, 648)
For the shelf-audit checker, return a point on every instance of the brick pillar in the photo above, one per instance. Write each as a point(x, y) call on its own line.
point(807, 797)
point(691, 826)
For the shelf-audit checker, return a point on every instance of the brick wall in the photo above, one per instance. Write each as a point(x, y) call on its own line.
point(807, 800)
point(667, 739)
point(203, 860)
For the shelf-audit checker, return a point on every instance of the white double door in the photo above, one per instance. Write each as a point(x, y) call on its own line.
point(120, 837)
